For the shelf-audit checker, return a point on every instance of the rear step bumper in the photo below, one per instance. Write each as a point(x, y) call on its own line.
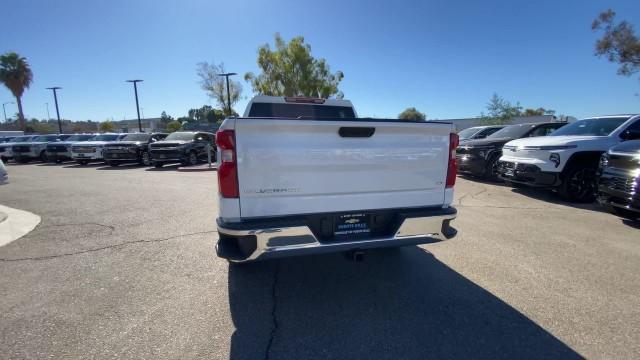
point(245, 242)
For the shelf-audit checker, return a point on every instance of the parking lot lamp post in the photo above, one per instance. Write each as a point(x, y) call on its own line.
point(55, 98)
point(226, 75)
point(135, 90)
point(5, 110)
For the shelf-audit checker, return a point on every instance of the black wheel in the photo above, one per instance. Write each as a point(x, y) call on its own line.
point(144, 159)
point(58, 161)
point(43, 156)
point(112, 163)
point(491, 168)
point(82, 162)
point(192, 159)
point(578, 183)
point(158, 164)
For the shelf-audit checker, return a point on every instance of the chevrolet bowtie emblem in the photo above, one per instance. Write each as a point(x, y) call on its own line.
point(352, 221)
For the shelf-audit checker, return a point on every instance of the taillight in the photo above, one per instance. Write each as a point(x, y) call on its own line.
point(228, 169)
point(452, 169)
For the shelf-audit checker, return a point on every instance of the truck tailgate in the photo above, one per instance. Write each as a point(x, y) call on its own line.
point(306, 166)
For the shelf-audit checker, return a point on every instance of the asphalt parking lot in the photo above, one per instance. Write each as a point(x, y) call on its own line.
point(122, 265)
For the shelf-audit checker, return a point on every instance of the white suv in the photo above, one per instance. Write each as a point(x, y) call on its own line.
point(567, 159)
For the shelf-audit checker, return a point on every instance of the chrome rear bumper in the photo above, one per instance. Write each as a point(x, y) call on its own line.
point(240, 243)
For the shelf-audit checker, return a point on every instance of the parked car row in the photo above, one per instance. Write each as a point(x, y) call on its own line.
point(149, 149)
point(589, 159)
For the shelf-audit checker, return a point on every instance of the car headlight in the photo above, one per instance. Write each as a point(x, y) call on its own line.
point(555, 159)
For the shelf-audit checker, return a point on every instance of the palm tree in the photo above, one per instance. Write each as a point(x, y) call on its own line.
point(16, 75)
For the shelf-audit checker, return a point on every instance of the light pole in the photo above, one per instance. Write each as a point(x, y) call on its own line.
point(5, 110)
point(135, 89)
point(48, 116)
point(55, 98)
point(226, 75)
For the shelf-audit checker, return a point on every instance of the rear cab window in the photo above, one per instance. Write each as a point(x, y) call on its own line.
point(300, 111)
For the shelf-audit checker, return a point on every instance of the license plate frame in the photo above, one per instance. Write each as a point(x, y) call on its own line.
point(351, 225)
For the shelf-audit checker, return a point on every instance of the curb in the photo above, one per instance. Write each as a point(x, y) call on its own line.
point(16, 224)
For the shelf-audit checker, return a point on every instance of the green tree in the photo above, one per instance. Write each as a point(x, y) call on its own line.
point(291, 70)
point(216, 86)
point(537, 112)
point(16, 75)
point(412, 114)
point(164, 118)
point(619, 43)
point(174, 126)
point(107, 126)
point(500, 111)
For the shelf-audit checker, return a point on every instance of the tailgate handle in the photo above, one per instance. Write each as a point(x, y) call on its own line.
point(356, 131)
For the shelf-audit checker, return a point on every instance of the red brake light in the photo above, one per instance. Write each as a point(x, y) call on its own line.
point(452, 169)
point(228, 169)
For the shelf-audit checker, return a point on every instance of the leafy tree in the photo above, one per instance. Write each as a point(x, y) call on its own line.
point(500, 111)
point(537, 112)
point(216, 86)
point(107, 126)
point(208, 114)
point(290, 70)
point(174, 126)
point(412, 114)
point(619, 43)
point(16, 75)
point(164, 118)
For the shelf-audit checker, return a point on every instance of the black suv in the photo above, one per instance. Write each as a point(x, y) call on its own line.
point(619, 179)
point(186, 147)
point(132, 148)
point(480, 157)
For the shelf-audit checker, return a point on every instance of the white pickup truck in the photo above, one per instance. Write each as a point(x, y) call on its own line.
point(303, 176)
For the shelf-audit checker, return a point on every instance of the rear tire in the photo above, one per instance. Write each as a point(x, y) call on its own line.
point(578, 183)
point(82, 162)
point(112, 163)
point(43, 156)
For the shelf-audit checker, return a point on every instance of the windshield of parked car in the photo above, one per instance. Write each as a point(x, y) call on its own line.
point(79, 137)
point(22, 139)
point(137, 137)
point(467, 133)
point(106, 137)
point(180, 136)
point(45, 138)
point(591, 127)
point(300, 110)
point(512, 131)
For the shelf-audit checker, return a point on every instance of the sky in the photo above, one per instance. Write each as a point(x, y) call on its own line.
point(446, 58)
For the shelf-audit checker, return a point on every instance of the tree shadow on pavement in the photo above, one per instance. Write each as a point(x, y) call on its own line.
point(397, 304)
